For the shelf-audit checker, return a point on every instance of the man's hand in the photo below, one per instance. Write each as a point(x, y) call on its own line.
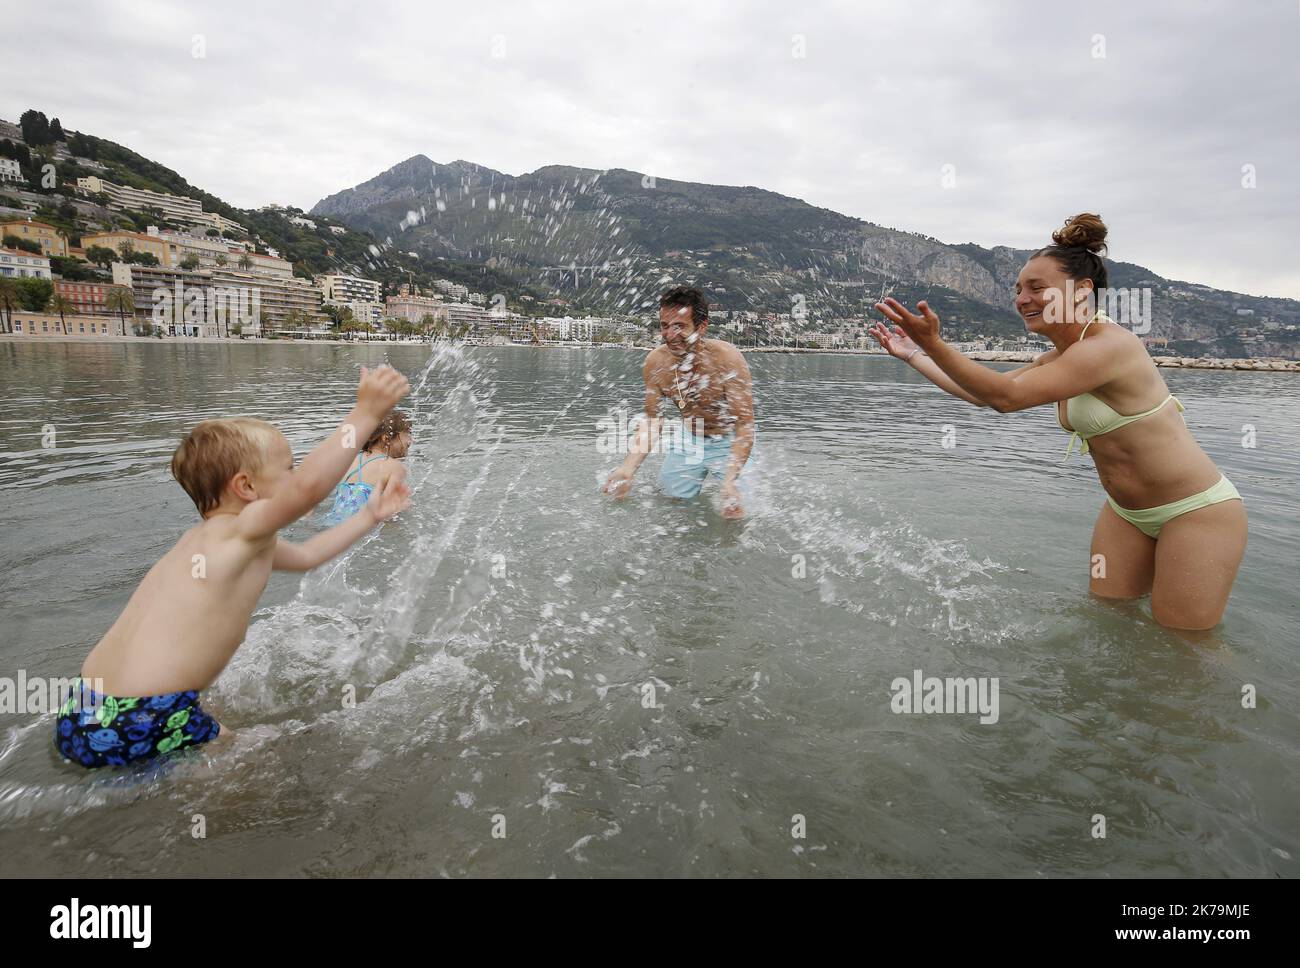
point(389, 498)
point(619, 484)
point(731, 501)
point(380, 390)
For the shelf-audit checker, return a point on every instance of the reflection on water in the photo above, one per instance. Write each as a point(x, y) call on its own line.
point(643, 687)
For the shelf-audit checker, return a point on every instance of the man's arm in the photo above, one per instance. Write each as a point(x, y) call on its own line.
point(740, 401)
point(620, 481)
point(378, 392)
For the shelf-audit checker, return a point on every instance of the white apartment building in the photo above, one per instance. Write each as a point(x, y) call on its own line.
point(568, 328)
point(304, 222)
point(221, 223)
point(455, 290)
point(9, 170)
point(363, 311)
point(342, 288)
point(15, 264)
point(175, 207)
point(825, 341)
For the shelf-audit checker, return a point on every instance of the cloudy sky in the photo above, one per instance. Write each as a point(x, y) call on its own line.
point(1145, 112)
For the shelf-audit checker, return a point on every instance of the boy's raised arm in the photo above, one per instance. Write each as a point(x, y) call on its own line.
point(378, 392)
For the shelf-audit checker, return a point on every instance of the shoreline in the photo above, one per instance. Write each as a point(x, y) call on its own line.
point(1257, 364)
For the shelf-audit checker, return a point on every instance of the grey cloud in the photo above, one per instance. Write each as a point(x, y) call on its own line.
point(295, 101)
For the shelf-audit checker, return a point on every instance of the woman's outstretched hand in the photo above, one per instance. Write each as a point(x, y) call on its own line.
point(922, 328)
point(897, 344)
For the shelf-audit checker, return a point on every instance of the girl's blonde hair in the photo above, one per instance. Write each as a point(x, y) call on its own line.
point(389, 429)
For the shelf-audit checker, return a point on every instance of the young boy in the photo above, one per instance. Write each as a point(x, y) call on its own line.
point(191, 611)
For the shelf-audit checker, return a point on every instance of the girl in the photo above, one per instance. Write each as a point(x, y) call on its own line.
point(373, 468)
point(1172, 525)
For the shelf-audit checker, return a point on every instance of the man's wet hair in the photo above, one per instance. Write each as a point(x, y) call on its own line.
point(690, 297)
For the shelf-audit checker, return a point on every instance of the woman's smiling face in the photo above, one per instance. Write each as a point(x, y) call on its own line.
point(1041, 291)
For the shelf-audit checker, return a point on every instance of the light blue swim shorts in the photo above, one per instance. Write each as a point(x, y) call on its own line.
point(692, 458)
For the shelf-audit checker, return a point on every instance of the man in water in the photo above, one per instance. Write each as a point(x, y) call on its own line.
point(709, 382)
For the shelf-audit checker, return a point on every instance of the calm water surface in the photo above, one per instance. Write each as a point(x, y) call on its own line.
point(501, 636)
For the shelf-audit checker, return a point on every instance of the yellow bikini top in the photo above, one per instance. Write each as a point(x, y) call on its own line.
point(1091, 417)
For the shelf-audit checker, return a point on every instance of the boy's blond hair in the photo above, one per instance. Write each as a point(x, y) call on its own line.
point(215, 451)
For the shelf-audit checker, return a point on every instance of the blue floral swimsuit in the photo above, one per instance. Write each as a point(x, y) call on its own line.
point(350, 497)
point(97, 730)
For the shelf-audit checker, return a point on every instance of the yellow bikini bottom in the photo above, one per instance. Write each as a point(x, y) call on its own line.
point(1150, 520)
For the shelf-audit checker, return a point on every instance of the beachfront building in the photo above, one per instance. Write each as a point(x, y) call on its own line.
point(342, 288)
point(279, 296)
point(49, 324)
point(363, 311)
point(475, 317)
point(10, 170)
point(260, 302)
point(413, 309)
point(17, 264)
point(49, 238)
point(568, 328)
point(87, 298)
point(150, 285)
point(825, 341)
point(177, 208)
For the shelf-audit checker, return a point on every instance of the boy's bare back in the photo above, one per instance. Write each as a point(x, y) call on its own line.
point(189, 614)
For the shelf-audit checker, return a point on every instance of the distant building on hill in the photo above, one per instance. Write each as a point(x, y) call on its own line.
point(178, 208)
point(49, 238)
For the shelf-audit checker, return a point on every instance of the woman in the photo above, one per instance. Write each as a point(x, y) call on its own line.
point(1172, 525)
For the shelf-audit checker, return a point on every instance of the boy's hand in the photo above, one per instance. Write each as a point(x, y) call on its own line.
point(389, 498)
point(380, 390)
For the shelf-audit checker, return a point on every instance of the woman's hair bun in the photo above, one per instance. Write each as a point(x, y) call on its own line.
point(1086, 231)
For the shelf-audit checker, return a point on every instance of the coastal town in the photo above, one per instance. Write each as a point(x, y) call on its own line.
point(112, 260)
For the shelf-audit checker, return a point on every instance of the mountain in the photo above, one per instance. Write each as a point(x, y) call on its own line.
point(608, 241)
